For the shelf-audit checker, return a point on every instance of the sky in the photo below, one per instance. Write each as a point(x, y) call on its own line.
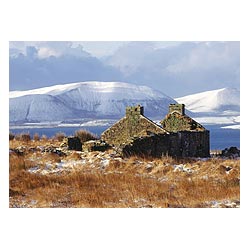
point(175, 68)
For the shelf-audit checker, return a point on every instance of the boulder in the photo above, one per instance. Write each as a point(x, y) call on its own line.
point(232, 152)
point(74, 143)
point(95, 145)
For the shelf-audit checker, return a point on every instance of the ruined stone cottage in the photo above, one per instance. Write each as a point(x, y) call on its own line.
point(133, 125)
point(179, 134)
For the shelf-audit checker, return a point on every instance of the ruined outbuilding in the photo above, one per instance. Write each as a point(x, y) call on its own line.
point(179, 134)
point(133, 125)
point(176, 120)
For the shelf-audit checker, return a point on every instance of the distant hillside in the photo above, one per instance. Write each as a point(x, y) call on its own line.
point(215, 106)
point(85, 100)
point(221, 101)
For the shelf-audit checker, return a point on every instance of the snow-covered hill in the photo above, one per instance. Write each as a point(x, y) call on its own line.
point(215, 106)
point(85, 100)
point(222, 101)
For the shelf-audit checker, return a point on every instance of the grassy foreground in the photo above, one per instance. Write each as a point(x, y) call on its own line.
point(42, 174)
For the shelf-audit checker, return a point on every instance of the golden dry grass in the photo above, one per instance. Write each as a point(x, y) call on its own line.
point(131, 182)
point(34, 143)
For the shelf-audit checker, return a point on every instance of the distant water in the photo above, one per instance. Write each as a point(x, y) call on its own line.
point(219, 138)
point(49, 132)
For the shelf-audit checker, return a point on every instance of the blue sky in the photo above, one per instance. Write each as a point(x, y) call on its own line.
point(95, 48)
point(175, 68)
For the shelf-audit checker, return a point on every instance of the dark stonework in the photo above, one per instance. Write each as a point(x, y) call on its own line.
point(95, 145)
point(134, 124)
point(194, 143)
point(74, 143)
point(178, 121)
point(179, 108)
point(181, 144)
point(232, 152)
point(179, 135)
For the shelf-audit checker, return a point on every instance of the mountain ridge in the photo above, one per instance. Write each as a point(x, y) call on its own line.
point(220, 106)
point(222, 101)
point(108, 100)
point(85, 100)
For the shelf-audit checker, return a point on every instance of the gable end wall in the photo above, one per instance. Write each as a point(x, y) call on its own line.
point(129, 127)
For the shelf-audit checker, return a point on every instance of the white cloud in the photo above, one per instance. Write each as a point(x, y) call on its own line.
point(183, 68)
point(45, 52)
point(100, 48)
point(50, 48)
point(131, 56)
point(208, 56)
point(176, 68)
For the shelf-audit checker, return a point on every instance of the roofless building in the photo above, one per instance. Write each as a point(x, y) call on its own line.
point(179, 134)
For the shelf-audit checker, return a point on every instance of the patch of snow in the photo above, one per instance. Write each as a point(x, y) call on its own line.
point(163, 179)
point(149, 166)
point(182, 168)
point(237, 126)
point(225, 204)
point(139, 200)
point(34, 169)
point(104, 163)
point(217, 119)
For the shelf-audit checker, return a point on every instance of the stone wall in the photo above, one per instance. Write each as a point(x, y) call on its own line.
point(194, 143)
point(94, 145)
point(181, 144)
point(179, 108)
point(74, 143)
point(180, 135)
point(155, 145)
point(134, 110)
point(175, 122)
point(131, 126)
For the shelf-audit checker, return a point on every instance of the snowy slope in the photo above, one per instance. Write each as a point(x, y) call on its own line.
point(221, 101)
point(33, 108)
point(106, 88)
point(85, 100)
point(221, 106)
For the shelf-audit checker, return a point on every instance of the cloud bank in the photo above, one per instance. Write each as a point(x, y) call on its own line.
point(46, 65)
point(185, 68)
point(176, 68)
